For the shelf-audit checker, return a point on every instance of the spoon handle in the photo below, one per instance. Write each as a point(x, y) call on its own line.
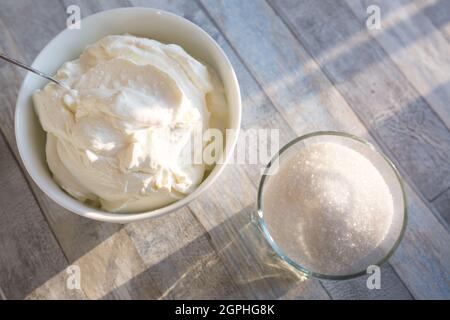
point(27, 67)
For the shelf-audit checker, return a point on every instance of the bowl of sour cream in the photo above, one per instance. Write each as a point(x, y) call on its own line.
point(127, 141)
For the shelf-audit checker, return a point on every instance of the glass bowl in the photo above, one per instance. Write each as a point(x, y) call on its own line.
point(282, 238)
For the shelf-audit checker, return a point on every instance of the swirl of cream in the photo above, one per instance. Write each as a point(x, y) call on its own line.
point(122, 138)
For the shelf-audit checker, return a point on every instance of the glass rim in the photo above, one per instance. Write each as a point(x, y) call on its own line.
point(260, 212)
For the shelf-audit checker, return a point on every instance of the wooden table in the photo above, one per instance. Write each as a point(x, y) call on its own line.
point(303, 65)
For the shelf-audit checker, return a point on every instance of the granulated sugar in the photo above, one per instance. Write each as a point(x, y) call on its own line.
point(327, 208)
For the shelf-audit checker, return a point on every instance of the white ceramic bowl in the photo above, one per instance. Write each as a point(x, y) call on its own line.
point(68, 45)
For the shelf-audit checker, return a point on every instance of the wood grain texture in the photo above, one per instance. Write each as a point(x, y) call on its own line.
point(442, 203)
point(354, 44)
point(181, 279)
point(212, 249)
point(388, 105)
point(182, 261)
point(305, 109)
point(353, 88)
point(423, 257)
point(29, 253)
point(417, 48)
point(438, 11)
point(11, 78)
point(241, 245)
point(356, 288)
point(225, 208)
point(257, 103)
point(79, 237)
point(266, 58)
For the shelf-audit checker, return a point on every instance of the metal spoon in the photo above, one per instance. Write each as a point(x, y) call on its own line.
point(27, 67)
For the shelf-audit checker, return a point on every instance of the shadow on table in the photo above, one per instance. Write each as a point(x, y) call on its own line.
point(343, 61)
point(241, 257)
point(241, 266)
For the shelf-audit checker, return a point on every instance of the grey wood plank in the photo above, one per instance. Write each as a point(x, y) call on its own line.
point(47, 19)
point(303, 109)
point(70, 231)
point(107, 271)
point(11, 78)
point(138, 275)
point(438, 11)
point(276, 60)
point(415, 115)
point(181, 259)
point(241, 245)
point(357, 288)
point(419, 287)
point(442, 203)
point(168, 278)
point(423, 257)
point(390, 107)
point(418, 49)
point(2, 294)
point(111, 271)
point(31, 262)
point(224, 210)
point(77, 236)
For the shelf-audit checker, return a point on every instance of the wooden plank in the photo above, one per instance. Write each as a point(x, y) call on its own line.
point(181, 260)
point(276, 60)
point(31, 262)
point(438, 11)
point(241, 245)
point(442, 203)
point(390, 107)
point(77, 236)
point(99, 253)
point(47, 19)
point(419, 214)
point(2, 294)
point(418, 49)
point(11, 78)
point(138, 274)
point(263, 61)
point(224, 210)
point(423, 257)
point(171, 279)
point(357, 288)
point(111, 271)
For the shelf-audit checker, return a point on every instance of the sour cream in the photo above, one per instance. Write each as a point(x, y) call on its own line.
point(121, 139)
